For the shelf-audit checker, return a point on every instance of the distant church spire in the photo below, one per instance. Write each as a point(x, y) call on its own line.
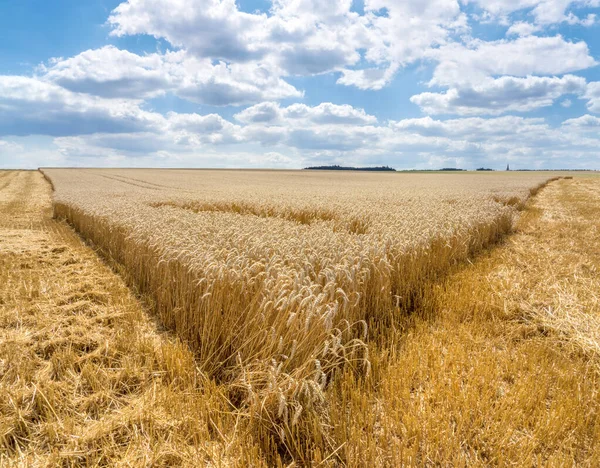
point(508, 167)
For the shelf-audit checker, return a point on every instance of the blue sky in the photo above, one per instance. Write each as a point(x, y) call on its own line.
point(290, 83)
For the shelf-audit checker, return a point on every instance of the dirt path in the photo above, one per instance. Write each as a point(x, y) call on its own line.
point(85, 377)
point(555, 261)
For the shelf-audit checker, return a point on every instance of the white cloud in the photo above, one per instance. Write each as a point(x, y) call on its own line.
point(307, 37)
point(425, 142)
point(522, 28)
point(103, 131)
point(475, 129)
point(411, 27)
point(524, 56)
point(325, 113)
point(369, 78)
point(301, 37)
point(528, 142)
point(543, 12)
point(316, 60)
point(91, 150)
point(566, 103)
point(323, 127)
point(402, 36)
point(328, 113)
point(110, 72)
point(196, 129)
point(212, 28)
point(496, 96)
point(265, 112)
point(30, 106)
point(587, 21)
point(593, 96)
point(236, 84)
point(585, 122)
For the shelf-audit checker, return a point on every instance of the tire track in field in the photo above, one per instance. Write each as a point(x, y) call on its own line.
point(127, 181)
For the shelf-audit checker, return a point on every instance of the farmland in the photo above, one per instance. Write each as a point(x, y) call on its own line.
point(282, 317)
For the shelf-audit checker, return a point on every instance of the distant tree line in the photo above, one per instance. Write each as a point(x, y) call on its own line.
point(444, 169)
point(349, 168)
point(555, 170)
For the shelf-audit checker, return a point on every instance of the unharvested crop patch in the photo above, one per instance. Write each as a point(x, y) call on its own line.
point(277, 280)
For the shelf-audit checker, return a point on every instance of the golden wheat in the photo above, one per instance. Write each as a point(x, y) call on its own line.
point(276, 279)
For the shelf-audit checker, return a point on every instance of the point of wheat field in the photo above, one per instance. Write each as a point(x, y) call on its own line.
point(281, 318)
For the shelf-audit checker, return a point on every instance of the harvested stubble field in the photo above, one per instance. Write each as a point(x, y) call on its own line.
point(309, 318)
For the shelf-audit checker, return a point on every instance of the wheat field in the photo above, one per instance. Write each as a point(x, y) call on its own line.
point(323, 319)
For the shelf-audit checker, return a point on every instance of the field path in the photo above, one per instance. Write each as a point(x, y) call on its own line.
point(85, 377)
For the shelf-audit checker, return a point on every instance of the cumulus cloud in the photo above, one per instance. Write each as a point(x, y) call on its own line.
point(496, 96)
point(29, 106)
point(531, 55)
point(412, 27)
point(111, 72)
point(522, 28)
point(265, 112)
point(118, 132)
point(566, 103)
point(195, 128)
point(328, 113)
point(585, 122)
point(493, 77)
point(213, 28)
point(312, 61)
point(543, 12)
point(301, 37)
point(592, 94)
point(369, 78)
point(474, 129)
point(231, 84)
point(324, 127)
point(402, 36)
point(306, 37)
point(295, 114)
